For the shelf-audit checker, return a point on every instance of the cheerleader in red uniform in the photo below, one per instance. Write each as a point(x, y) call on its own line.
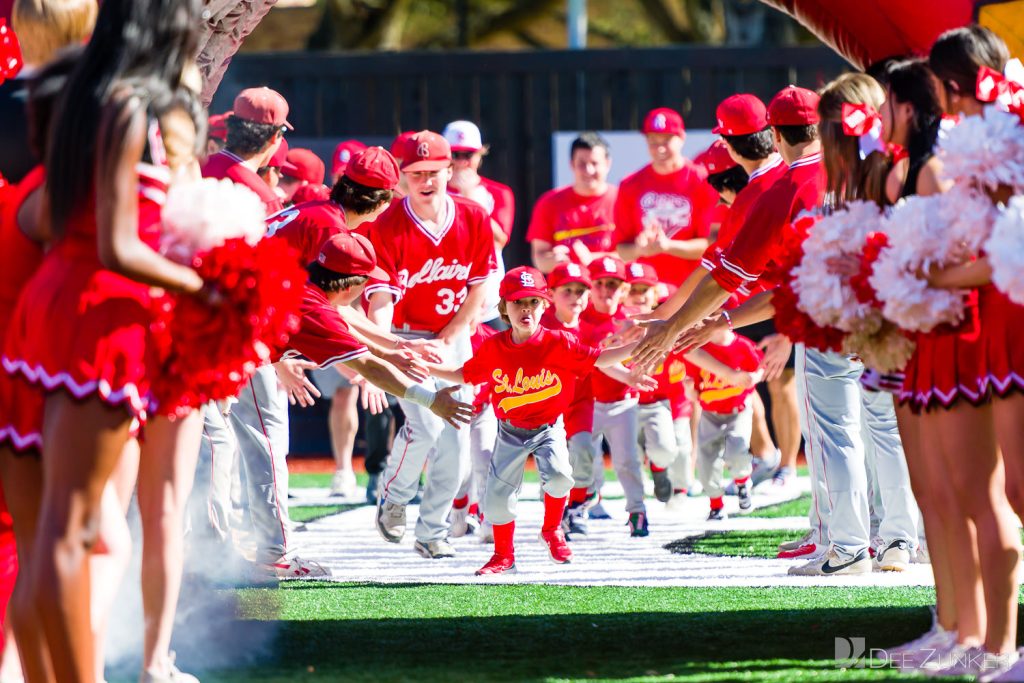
point(80, 345)
point(966, 435)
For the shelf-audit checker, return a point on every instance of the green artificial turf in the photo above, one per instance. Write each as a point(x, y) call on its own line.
point(318, 480)
point(361, 632)
point(763, 543)
point(310, 513)
point(798, 507)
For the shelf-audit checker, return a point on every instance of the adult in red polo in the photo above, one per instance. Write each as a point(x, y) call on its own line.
point(663, 212)
point(577, 223)
point(255, 130)
point(468, 152)
point(792, 115)
point(438, 251)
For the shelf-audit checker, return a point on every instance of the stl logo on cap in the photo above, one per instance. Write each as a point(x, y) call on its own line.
point(526, 279)
point(574, 270)
point(345, 156)
point(636, 270)
point(608, 265)
point(423, 151)
point(659, 122)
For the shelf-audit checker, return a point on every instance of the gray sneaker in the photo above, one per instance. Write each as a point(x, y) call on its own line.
point(662, 485)
point(391, 521)
point(765, 468)
point(895, 557)
point(832, 565)
point(434, 550)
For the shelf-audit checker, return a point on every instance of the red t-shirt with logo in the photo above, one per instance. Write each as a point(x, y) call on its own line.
point(671, 366)
point(225, 164)
point(595, 327)
point(717, 395)
point(579, 416)
point(561, 216)
point(531, 383)
point(306, 227)
point(429, 274)
point(323, 336)
point(681, 202)
point(756, 246)
point(482, 392)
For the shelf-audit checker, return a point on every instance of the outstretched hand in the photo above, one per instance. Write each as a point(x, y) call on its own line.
point(777, 348)
point(698, 335)
point(450, 409)
point(291, 373)
point(659, 340)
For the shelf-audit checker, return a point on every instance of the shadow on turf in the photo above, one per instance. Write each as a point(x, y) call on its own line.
point(770, 644)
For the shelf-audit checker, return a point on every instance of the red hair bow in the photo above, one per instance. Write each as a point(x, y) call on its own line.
point(1005, 90)
point(10, 52)
point(859, 119)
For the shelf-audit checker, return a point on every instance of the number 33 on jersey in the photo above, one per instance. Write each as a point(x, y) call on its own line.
point(429, 273)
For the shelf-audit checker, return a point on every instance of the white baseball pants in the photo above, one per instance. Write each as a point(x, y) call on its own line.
point(617, 422)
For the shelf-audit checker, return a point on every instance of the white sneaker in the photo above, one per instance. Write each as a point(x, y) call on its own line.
point(298, 568)
point(910, 655)
point(1013, 673)
point(174, 675)
point(832, 565)
point(458, 522)
point(975, 661)
point(941, 658)
point(895, 557)
point(343, 484)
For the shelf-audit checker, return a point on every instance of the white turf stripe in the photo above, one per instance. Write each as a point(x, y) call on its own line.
point(349, 545)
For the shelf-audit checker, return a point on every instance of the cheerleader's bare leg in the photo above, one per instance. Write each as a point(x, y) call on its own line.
point(166, 471)
point(22, 478)
point(82, 443)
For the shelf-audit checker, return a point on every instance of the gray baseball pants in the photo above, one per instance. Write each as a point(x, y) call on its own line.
point(723, 440)
point(681, 470)
point(617, 422)
point(483, 431)
point(426, 438)
point(657, 433)
point(505, 477)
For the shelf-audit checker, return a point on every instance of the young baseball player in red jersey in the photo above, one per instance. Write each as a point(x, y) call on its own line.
point(438, 251)
point(532, 372)
point(663, 211)
point(654, 413)
point(615, 403)
point(576, 223)
point(726, 370)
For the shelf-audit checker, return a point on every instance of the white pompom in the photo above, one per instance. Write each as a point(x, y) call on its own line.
point(925, 231)
point(824, 295)
point(887, 349)
point(1005, 250)
point(204, 214)
point(987, 150)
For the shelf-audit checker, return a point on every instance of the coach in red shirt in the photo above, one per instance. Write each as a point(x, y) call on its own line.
point(255, 131)
point(793, 117)
point(663, 211)
point(577, 223)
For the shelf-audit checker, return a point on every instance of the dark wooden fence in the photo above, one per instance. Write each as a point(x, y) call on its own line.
point(517, 98)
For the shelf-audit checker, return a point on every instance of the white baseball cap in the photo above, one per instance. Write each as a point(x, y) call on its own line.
point(463, 136)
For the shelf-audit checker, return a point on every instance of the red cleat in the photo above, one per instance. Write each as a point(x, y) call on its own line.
point(498, 564)
point(799, 551)
point(557, 547)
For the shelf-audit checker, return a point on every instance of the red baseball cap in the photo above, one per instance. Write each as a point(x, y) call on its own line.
point(398, 144)
point(426, 151)
point(523, 282)
point(350, 253)
point(569, 273)
point(305, 165)
point(716, 158)
point(794, 106)
point(663, 120)
point(641, 274)
point(343, 154)
point(280, 159)
point(262, 105)
point(217, 127)
point(741, 114)
point(373, 167)
point(607, 266)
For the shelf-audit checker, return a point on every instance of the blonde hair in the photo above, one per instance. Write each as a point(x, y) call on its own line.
point(44, 27)
point(849, 176)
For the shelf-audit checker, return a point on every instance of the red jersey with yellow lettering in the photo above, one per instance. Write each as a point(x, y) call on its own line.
point(561, 216)
point(531, 383)
point(307, 226)
point(429, 273)
point(682, 203)
point(579, 416)
point(669, 369)
point(595, 327)
point(717, 395)
point(323, 336)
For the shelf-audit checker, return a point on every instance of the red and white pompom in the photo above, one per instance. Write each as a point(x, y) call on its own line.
point(1005, 249)
point(986, 151)
point(824, 294)
point(886, 349)
point(936, 230)
point(206, 213)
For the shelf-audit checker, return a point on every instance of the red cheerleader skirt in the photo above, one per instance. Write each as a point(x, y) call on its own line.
point(81, 329)
point(1003, 322)
point(948, 365)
